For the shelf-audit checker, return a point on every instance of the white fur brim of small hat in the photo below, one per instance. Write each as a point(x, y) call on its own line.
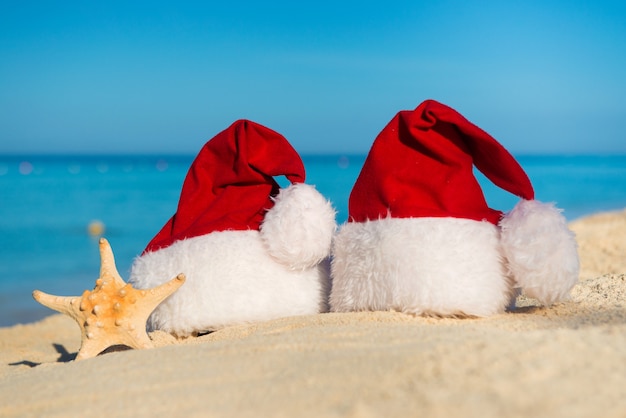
point(231, 279)
point(234, 277)
point(424, 266)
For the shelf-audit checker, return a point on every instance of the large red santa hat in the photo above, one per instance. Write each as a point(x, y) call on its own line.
point(421, 237)
point(420, 165)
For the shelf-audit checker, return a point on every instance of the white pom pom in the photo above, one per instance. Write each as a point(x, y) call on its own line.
point(299, 228)
point(540, 250)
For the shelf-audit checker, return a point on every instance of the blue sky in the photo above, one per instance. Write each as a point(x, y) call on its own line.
point(160, 77)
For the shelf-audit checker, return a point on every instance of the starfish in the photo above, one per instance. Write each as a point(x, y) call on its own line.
point(114, 312)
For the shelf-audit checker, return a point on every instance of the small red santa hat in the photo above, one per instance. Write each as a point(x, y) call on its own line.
point(420, 165)
point(421, 237)
point(230, 184)
point(251, 251)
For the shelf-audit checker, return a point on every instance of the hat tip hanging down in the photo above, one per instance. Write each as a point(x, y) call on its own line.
point(540, 250)
point(298, 230)
point(230, 183)
point(422, 237)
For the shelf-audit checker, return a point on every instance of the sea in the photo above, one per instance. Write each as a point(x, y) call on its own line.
point(53, 208)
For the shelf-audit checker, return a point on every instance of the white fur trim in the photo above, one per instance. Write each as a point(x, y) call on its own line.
point(299, 228)
point(541, 251)
point(432, 266)
point(230, 280)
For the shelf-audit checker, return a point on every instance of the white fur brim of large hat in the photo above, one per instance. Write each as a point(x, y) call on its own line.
point(234, 277)
point(429, 266)
point(452, 266)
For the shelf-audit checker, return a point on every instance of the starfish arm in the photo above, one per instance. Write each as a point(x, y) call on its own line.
point(161, 292)
point(69, 305)
point(138, 339)
point(131, 333)
point(107, 262)
point(91, 347)
point(151, 298)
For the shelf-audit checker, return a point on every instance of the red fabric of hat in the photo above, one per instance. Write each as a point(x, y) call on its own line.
point(230, 184)
point(420, 165)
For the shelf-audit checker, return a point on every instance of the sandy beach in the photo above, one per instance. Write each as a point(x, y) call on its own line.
point(567, 360)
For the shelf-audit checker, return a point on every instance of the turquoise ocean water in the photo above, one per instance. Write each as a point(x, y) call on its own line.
point(47, 203)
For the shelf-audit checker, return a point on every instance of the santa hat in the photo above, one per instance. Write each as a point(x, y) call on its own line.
point(420, 167)
point(235, 224)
